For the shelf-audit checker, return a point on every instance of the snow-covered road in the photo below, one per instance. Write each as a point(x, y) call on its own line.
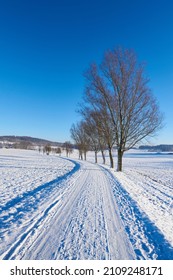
point(59, 208)
point(79, 220)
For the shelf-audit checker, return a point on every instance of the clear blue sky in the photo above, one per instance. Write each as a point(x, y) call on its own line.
point(45, 46)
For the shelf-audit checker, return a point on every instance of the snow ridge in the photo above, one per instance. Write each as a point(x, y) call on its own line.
point(147, 240)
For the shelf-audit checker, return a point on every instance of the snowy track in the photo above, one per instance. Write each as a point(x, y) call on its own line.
point(55, 208)
point(80, 222)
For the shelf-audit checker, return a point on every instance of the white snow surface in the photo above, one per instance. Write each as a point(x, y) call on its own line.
point(52, 207)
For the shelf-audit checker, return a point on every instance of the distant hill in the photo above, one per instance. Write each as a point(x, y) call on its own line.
point(25, 141)
point(158, 148)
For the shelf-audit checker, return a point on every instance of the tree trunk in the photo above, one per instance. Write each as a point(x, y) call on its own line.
point(80, 155)
point(95, 156)
point(103, 156)
point(111, 158)
point(85, 155)
point(120, 158)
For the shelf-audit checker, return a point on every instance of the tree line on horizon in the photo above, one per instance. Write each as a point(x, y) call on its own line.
point(118, 107)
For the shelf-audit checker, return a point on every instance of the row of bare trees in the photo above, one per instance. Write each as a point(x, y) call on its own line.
point(118, 107)
point(66, 146)
point(47, 149)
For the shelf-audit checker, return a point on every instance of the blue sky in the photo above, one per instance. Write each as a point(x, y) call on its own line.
point(45, 46)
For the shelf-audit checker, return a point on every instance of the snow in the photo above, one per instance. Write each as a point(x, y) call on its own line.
point(53, 207)
point(22, 171)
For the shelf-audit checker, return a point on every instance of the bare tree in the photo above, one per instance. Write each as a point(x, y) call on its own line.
point(47, 149)
point(68, 147)
point(120, 86)
point(95, 114)
point(80, 137)
point(92, 135)
point(58, 151)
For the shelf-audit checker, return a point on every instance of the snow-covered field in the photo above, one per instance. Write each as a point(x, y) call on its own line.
point(58, 208)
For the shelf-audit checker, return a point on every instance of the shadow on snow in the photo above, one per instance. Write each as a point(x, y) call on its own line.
point(139, 227)
point(16, 208)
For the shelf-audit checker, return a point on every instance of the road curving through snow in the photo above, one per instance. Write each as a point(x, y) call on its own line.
point(78, 220)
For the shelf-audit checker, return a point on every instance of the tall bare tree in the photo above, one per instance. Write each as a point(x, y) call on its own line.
point(120, 86)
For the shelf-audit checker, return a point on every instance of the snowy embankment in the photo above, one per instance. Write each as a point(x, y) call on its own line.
point(149, 181)
point(56, 208)
point(144, 194)
point(154, 194)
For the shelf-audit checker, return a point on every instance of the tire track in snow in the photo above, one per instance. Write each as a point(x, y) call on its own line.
point(9, 254)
